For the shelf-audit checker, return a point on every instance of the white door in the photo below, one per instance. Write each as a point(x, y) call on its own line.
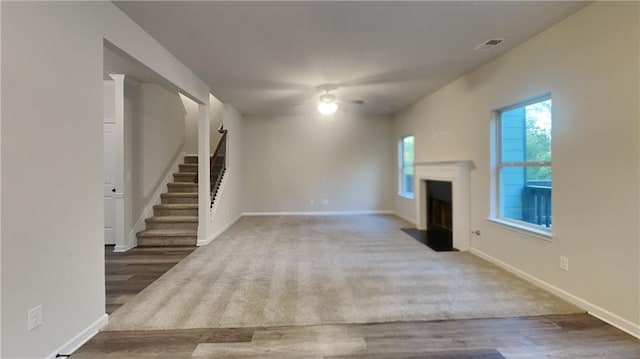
point(113, 159)
point(109, 183)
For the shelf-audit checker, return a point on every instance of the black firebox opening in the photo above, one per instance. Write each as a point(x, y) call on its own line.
point(440, 215)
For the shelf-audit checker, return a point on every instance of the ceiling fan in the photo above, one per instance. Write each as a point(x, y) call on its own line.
point(327, 102)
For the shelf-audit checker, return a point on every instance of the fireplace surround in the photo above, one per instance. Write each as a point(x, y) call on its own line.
point(457, 173)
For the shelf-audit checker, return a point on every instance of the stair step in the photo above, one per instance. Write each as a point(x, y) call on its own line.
point(191, 167)
point(179, 197)
point(167, 237)
point(178, 209)
point(172, 222)
point(185, 176)
point(191, 159)
point(183, 187)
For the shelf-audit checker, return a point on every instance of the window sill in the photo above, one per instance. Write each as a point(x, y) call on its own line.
point(523, 229)
point(406, 195)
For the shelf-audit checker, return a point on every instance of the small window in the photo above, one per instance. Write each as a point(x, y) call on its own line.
point(405, 161)
point(524, 164)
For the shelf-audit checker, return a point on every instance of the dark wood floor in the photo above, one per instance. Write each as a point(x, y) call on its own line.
point(128, 273)
point(554, 336)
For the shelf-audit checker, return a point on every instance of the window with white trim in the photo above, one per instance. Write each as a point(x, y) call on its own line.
point(523, 164)
point(405, 166)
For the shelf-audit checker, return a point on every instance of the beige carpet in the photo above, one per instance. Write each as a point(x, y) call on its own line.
point(271, 271)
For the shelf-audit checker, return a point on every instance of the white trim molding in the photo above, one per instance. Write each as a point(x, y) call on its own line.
point(318, 213)
point(140, 224)
point(410, 220)
point(79, 339)
point(218, 232)
point(132, 243)
point(598, 312)
point(458, 173)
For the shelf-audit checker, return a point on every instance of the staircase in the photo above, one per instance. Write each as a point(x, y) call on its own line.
point(175, 220)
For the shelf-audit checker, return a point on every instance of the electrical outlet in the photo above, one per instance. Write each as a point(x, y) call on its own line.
point(311, 202)
point(325, 201)
point(564, 263)
point(34, 318)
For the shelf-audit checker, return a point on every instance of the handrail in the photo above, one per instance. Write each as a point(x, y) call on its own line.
point(219, 158)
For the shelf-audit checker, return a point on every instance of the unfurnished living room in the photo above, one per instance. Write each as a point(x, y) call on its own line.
point(320, 179)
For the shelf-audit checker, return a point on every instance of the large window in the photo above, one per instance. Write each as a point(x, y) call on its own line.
point(405, 164)
point(524, 164)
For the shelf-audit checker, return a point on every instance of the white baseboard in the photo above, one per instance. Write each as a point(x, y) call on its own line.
point(317, 213)
point(598, 312)
point(412, 221)
point(77, 341)
point(140, 224)
point(218, 232)
point(124, 248)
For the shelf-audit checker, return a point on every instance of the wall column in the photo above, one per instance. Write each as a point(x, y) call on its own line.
point(204, 197)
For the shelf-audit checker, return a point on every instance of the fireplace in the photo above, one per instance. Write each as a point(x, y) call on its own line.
point(442, 200)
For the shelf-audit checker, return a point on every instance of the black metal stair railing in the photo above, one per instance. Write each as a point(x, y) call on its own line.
point(217, 165)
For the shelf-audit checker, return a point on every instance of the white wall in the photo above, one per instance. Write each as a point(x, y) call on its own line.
point(216, 115)
point(52, 213)
point(589, 63)
point(158, 139)
point(228, 205)
point(155, 125)
point(290, 161)
point(190, 125)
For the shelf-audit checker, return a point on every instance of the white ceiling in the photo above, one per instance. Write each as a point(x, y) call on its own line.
point(267, 58)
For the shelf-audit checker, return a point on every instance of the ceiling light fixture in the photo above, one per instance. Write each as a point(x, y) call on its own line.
point(327, 104)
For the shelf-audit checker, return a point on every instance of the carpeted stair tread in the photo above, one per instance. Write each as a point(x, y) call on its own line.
point(192, 159)
point(185, 174)
point(172, 219)
point(189, 159)
point(179, 194)
point(182, 187)
point(179, 197)
point(182, 184)
point(167, 233)
point(185, 177)
point(176, 206)
point(190, 167)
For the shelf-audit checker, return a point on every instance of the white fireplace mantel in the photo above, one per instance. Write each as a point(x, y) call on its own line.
point(458, 173)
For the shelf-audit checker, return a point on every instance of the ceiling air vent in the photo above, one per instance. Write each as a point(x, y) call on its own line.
point(489, 44)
